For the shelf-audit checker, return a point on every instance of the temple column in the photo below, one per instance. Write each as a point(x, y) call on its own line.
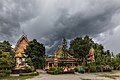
point(72, 64)
point(48, 65)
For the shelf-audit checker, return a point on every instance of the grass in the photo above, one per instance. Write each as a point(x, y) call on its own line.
point(115, 71)
point(109, 76)
point(16, 78)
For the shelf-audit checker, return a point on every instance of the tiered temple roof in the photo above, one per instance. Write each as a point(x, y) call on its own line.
point(61, 56)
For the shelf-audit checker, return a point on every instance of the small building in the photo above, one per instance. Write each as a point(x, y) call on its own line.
point(61, 59)
point(19, 51)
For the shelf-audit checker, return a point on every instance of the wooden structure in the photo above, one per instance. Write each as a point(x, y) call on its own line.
point(61, 59)
point(19, 51)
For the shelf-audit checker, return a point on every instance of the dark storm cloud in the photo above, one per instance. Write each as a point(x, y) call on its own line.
point(12, 14)
point(50, 20)
point(71, 26)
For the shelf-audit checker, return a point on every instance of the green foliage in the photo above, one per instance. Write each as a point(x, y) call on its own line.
point(118, 55)
point(5, 46)
point(36, 51)
point(29, 61)
point(76, 69)
point(55, 71)
point(64, 43)
point(6, 60)
point(80, 46)
point(4, 73)
point(29, 74)
point(6, 55)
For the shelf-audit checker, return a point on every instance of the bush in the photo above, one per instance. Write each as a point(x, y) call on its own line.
point(29, 74)
point(59, 71)
point(93, 68)
point(4, 73)
point(98, 69)
point(54, 71)
point(76, 69)
point(69, 72)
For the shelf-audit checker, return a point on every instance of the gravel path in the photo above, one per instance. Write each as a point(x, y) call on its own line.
point(76, 76)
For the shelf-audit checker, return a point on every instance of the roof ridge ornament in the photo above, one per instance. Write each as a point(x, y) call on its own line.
point(23, 33)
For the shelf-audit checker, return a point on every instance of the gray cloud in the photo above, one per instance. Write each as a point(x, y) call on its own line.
point(48, 21)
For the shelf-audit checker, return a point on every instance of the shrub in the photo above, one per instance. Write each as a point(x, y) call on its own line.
point(29, 74)
point(4, 73)
point(76, 69)
point(50, 72)
point(55, 71)
point(59, 71)
point(98, 68)
point(69, 72)
point(93, 68)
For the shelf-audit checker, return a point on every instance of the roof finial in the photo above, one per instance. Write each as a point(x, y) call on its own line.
point(24, 33)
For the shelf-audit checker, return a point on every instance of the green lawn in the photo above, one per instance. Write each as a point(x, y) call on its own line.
point(16, 77)
point(110, 74)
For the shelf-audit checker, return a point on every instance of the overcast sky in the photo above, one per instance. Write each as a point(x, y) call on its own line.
point(49, 20)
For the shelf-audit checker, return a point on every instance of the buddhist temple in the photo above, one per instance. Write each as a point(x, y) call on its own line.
point(60, 59)
point(19, 51)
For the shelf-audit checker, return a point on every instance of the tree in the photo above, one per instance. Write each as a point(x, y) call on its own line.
point(64, 48)
point(80, 46)
point(5, 46)
point(64, 43)
point(36, 51)
point(118, 55)
point(6, 60)
point(6, 55)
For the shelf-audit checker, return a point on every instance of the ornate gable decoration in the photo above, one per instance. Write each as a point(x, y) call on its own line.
point(61, 54)
point(21, 44)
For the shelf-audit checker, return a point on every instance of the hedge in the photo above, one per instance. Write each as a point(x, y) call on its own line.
point(4, 73)
point(58, 71)
point(29, 74)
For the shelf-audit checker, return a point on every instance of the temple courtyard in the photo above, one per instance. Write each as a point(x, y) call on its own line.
point(114, 75)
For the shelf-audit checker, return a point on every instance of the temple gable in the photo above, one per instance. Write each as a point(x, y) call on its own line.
point(21, 44)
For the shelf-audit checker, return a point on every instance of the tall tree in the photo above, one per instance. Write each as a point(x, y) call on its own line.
point(6, 49)
point(5, 46)
point(118, 55)
point(36, 51)
point(6, 60)
point(64, 43)
point(80, 46)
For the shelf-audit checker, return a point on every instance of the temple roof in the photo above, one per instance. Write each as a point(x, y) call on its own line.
point(23, 37)
point(61, 54)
